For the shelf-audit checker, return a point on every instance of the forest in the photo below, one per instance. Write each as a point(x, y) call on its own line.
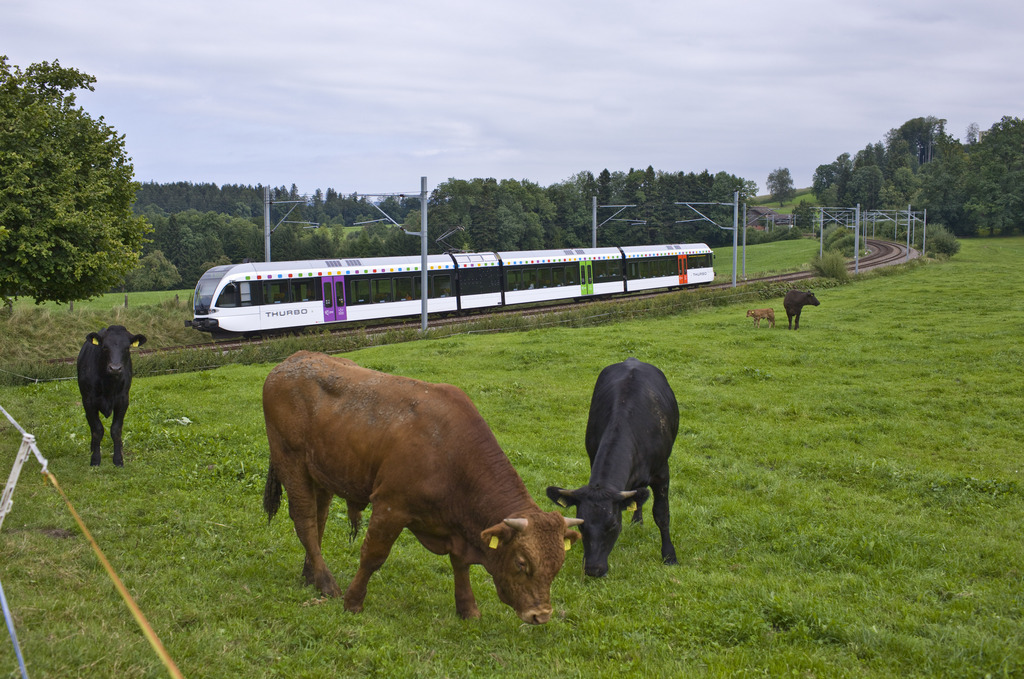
point(970, 188)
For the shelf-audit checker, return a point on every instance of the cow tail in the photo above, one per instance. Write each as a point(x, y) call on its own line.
point(271, 493)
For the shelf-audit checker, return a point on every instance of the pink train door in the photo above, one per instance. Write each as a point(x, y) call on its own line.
point(334, 299)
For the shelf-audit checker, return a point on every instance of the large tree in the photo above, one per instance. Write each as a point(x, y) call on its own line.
point(780, 184)
point(67, 230)
point(995, 185)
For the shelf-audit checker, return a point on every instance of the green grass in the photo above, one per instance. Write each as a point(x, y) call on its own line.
point(799, 196)
point(32, 335)
point(846, 502)
point(113, 301)
point(766, 258)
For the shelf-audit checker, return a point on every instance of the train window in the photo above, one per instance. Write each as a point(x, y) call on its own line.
point(248, 294)
point(328, 294)
point(359, 291)
point(513, 280)
point(228, 297)
point(701, 261)
point(607, 270)
point(558, 276)
point(381, 290)
point(572, 275)
point(441, 285)
point(544, 277)
point(276, 292)
point(529, 279)
point(403, 288)
point(305, 290)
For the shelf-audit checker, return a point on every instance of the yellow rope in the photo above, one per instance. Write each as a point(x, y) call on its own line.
point(154, 641)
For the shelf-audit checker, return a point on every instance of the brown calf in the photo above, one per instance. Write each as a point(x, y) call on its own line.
point(759, 314)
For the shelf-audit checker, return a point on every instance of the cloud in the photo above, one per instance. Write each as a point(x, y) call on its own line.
point(360, 96)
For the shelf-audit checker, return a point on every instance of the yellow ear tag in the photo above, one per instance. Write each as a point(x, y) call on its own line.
point(567, 544)
point(135, 343)
point(494, 542)
point(561, 503)
point(631, 507)
point(95, 341)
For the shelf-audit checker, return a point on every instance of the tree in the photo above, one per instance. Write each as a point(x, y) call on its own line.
point(780, 185)
point(865, 186)
point(996, 181)
point(67, 230)
point(155, 272)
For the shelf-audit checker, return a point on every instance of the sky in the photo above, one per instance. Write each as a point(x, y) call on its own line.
point(369, 97)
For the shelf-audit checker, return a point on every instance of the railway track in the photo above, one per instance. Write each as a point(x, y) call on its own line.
point(880, 253)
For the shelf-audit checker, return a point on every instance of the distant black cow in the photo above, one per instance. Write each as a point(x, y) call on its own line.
point(104, 378)
point(632, 426)
point(794, 302)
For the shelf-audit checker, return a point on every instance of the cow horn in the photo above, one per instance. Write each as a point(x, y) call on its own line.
point(626, 494)
point(569, 523)
point(517, 524)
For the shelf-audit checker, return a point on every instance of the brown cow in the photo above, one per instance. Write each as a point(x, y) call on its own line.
point(423, 456)
point(759, 314)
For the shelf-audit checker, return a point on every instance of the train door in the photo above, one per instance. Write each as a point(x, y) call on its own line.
point(587, 278)
point(682, 269)
point(334, 299)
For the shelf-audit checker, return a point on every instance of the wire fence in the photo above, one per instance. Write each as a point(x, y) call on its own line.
point(28, 446)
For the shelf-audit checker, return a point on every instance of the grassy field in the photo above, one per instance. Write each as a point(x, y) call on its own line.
point(766, 259)
point(846, 502)
point(799, 196)
point(113, 301)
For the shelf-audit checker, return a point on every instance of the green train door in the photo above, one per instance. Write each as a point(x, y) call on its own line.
point(586, 278)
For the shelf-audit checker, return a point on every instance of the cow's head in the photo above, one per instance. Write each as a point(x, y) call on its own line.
point(601, 510)
point(526, 555)
point(811, 299)
point(115, 345)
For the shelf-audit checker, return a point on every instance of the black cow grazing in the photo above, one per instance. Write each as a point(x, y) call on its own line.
point(794, 302)
point(104, 378)
point(633, 422)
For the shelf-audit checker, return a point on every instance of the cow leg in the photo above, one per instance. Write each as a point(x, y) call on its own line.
point(92, 415)
point(661, 516)
point(323, 508)
point(116, 425)
point(465, 602)
point(381, 533)
point(304, 510)
point(796, 320)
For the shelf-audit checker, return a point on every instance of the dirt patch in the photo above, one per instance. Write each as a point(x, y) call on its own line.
point(58, 533)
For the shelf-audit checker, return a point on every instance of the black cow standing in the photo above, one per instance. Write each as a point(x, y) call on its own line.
point(632, 426)
point(795, 301)
point(104, 378)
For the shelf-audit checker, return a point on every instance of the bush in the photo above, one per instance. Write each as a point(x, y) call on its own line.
point(831, 264)
point(941, 242)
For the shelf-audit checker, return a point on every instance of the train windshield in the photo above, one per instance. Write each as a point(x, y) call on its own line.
point(206, 287)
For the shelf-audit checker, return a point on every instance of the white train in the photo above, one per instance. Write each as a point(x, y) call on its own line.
point(271, 297)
